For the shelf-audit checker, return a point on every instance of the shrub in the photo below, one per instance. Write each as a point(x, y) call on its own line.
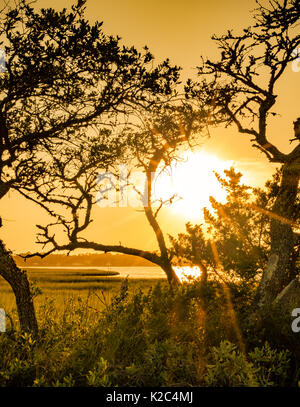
point(155, 337)
point(228, 367)
point(271, 366)
point(261, 367)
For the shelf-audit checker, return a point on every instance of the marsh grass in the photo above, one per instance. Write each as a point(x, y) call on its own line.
point(91, 288)
point(136, 333)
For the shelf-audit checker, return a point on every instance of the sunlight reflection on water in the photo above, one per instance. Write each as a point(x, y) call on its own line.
point(187, 273)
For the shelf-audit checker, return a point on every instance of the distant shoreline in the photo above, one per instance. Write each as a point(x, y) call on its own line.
point(83, 260)
point(132, 272)
point(65, 268)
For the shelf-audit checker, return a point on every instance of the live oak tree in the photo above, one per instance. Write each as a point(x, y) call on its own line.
point(70, 190)
point(241, 88)
point(63, 78)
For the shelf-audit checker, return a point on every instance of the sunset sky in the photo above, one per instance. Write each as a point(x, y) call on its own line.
point(180, 31)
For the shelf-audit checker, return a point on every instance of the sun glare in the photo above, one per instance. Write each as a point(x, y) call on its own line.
point(193, 181)
point(187, 273)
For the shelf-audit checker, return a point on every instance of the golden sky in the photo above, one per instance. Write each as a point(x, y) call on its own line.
point(181, 31)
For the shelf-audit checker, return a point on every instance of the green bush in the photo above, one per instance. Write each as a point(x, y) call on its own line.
point(271, 366)
point(228, 367)
point(261, 367)
point(155, 337)
point(147, 339)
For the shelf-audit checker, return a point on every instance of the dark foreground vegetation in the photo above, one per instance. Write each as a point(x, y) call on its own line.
point(154, 337)
point(207, 332)
point(75, 103)
point(115, 332)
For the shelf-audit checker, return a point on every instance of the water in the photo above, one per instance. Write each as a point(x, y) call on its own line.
point(139, 272)
point(130, 272)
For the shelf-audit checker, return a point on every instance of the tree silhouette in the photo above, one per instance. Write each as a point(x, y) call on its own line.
point(149, 144)
point(240, 233)
point(240, 88)
point(62, 75)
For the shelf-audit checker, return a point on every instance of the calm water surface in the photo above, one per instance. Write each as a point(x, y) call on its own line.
point(130, 272)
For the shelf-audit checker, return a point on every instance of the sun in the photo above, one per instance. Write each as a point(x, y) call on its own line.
point(193, 181)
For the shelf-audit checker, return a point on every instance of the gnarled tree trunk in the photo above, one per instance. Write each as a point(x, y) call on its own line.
point(168, 269)
point(277, 274)
point(19, 283)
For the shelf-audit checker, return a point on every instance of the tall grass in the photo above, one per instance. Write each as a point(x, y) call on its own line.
point(141, 333)
point(93, 287)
